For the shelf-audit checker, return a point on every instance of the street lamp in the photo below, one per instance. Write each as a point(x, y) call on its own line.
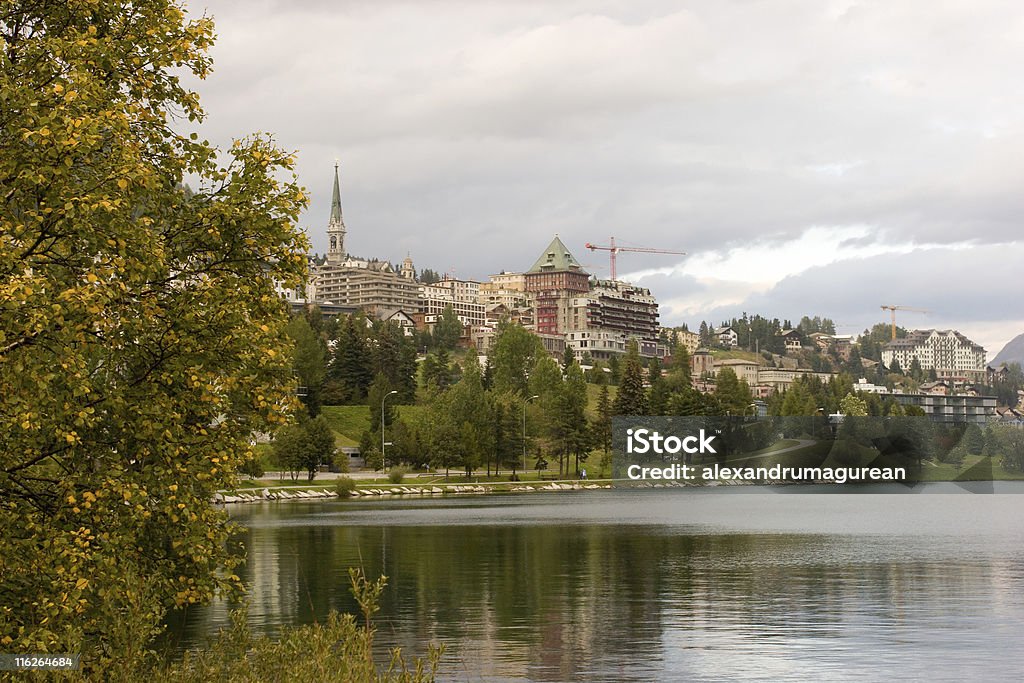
point(383, 460)
point(524, 431)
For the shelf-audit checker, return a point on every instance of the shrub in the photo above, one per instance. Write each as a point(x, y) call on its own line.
point(339, 650)
point(397, 474)
point(345, 487)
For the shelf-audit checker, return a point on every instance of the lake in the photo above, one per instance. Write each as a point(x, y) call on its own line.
point(669, 584)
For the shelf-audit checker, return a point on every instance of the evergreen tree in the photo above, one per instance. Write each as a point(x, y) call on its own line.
point(631, 398)
point(352, 365)
point(447, 329)
point(568, 358)
point(615, 373)
point(686, 401)
point(974, 440)
point(308, 361)
point(658, 399)
point(570, 417)
point(437, 374)
point(705, 334)
point(733, 393)
point(602, 423)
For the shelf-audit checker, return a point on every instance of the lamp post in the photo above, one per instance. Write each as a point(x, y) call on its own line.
point(524, 431)
point(383, 460)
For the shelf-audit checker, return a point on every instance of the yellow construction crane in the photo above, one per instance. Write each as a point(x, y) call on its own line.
point(892, 309)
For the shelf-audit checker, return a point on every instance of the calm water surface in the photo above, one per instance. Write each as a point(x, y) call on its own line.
point(659, 584)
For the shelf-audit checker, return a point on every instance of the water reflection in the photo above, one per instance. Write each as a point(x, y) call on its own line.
point(627, 585)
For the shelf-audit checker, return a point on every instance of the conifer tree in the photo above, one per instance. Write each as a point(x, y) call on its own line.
point(632, 397)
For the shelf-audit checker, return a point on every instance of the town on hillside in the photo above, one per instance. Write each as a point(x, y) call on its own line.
point(374, 330)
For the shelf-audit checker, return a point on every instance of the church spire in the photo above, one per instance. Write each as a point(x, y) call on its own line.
point(336, 218)
point(336, 226)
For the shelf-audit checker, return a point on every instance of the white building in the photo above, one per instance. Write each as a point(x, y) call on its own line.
point(602, 320)
point(948, 352)
point(727, 337)
point(462, 295)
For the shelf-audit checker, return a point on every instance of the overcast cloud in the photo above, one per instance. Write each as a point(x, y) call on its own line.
point(812, 157)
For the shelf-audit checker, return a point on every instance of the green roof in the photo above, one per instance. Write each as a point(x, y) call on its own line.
point(336, 218)
point(556, 258)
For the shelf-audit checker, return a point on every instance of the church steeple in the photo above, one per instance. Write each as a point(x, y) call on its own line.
point(336, 225)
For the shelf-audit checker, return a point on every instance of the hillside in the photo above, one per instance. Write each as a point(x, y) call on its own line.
point(1013, 352)
point(349, 422)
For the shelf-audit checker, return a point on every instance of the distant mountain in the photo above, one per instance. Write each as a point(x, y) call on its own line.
point(1013, 352)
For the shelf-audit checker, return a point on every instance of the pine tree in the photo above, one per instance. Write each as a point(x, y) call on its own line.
point(352, 365)
point(631, 398)
point(602, 423)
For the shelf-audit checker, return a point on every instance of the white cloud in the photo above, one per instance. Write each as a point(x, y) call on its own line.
point(469, 132)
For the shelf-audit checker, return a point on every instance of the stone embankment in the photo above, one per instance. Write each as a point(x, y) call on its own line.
point(387, 491)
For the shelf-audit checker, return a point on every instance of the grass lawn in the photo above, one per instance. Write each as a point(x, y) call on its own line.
point(942, 471)
point(593, 394)
point(349, 422)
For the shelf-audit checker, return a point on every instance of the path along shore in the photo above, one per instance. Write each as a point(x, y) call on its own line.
point(391, 490)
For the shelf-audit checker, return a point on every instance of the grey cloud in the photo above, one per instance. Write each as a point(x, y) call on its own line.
point(469, 132)
point(960, 288)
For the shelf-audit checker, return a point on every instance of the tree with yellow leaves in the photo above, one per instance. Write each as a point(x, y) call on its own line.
point(141, 340)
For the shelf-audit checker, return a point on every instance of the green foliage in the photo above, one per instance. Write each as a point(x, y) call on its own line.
point(141, 340)
point(732, 393)
point(515, 352)
point(660, 389)
point(344, 486)
point(437, 374)
point(569, 424)
point(1009, 443)
point(448, 329)
point(338, 650)
point(304, 447)
point(308, 361)
point(397, 474)
point(602, 423)
point(351, 370)
point(853, 405)
point(381, 402)
point(252, 468)
point(394, 358)
point(1005, 386)
point(545, 380)
point(631, 398)
point(687, 401)
point(507, 434)
point(974, 440)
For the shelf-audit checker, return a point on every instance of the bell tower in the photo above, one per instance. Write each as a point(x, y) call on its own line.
point(336, 226)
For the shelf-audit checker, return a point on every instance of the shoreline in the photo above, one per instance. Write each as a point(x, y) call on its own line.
point(391, 491)
point(396, 491)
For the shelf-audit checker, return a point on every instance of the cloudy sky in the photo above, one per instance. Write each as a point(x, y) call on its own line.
point(818, 157)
